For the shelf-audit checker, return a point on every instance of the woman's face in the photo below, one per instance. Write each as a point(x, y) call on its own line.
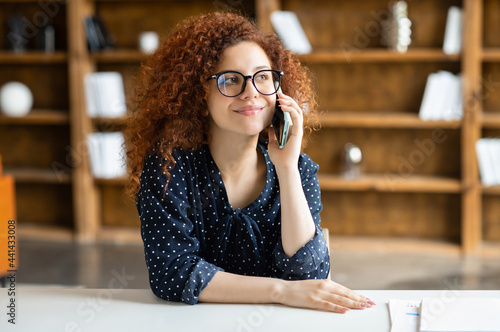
point(250, 112)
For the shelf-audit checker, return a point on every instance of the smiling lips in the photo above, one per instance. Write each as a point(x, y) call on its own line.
point(249, 110)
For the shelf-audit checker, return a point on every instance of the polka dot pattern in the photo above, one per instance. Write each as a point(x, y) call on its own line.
point(190, 231)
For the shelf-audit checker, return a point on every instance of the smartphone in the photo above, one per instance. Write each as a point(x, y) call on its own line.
point(281, 124)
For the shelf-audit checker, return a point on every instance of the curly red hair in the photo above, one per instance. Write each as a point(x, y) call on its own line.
point(169, 109)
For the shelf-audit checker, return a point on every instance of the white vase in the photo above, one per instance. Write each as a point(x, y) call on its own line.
point(148, 41)
point(16, 99)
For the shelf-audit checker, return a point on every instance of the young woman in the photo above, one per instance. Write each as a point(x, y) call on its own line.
point(226, 215)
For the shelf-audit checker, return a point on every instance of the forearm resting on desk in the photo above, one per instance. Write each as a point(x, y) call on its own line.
point(320, 294)
point(297, 225)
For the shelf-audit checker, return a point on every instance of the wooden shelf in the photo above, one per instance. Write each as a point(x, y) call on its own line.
point(33, 57)
point(118, 181)
point(390, 183)
point(491, 120)
point(118, 56)
point(37, 175)
point(381, 120)
point(51, 233)
point(491, 54)
point(26, 1)
point(109, 124)
point(38, 117)
point(392, 245)
point(492, 190)
point(378, 55)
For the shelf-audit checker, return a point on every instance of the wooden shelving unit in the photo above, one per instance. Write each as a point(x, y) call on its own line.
point(103, 211)
point(368, 95)
point(34, 147)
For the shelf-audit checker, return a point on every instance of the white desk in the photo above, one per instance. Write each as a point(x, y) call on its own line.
point(59, 309)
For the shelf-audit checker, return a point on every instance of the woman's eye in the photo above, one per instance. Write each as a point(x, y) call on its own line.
point(263, 77)
point(231, 80)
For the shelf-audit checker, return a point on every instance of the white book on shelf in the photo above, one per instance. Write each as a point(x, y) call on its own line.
point(90, 96)
point(114, 165)
point(495, 156)
point(442, 98)
point(288, 27)
point(453, 31)
point(445, 90)
point(104, 94)
point(95, 152)
point(429, 100)
point(111, 94)
point(106, 154)
point(485, 162)
point(453, 107)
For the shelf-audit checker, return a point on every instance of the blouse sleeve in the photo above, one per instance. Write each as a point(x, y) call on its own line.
point(176, 271)
point(312, 261)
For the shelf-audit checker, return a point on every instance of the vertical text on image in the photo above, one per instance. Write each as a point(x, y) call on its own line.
point(11, 278)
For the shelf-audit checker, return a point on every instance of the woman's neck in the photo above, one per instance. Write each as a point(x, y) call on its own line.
point(242, 168)
point(235, 156)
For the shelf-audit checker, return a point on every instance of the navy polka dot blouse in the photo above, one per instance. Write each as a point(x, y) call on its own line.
point(190, 231)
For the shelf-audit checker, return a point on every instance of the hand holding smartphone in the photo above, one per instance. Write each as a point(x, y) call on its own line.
point(281, 124)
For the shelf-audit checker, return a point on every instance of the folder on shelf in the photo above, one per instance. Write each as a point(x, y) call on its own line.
point(488, 157)
point(495, 156)
point(453, 31)
point(287, 26)
point(442, 98)
point(106, 154)
point(98, 37)
point(105, 95)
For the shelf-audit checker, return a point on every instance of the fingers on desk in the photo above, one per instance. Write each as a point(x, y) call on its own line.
point(349, 298)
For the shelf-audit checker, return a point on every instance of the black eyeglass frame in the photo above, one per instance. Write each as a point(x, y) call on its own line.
point(245, 79)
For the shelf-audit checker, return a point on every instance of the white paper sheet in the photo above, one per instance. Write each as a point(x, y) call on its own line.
point(405, 315)
point(460, 314)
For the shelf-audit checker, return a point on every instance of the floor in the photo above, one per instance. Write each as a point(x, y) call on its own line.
point(56, 264)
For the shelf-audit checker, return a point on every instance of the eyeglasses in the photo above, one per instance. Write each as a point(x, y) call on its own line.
point(233, 83)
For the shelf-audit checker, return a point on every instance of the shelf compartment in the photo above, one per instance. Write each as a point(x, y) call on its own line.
point(38, 117)
point(396, 214)
point(378, 55)
point(375, 87)
point(33, 57)
point(381, 120)
point(390, 183)
point(37, 175)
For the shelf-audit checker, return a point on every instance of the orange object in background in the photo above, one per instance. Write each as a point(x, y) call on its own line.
point(8, 227)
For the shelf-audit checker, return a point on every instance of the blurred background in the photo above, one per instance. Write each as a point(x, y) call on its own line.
point(408, 146)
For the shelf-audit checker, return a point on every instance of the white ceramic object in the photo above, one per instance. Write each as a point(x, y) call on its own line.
point(148, 41)
point(16, 99)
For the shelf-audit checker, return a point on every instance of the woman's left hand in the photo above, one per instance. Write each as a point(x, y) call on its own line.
point(289, 155)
